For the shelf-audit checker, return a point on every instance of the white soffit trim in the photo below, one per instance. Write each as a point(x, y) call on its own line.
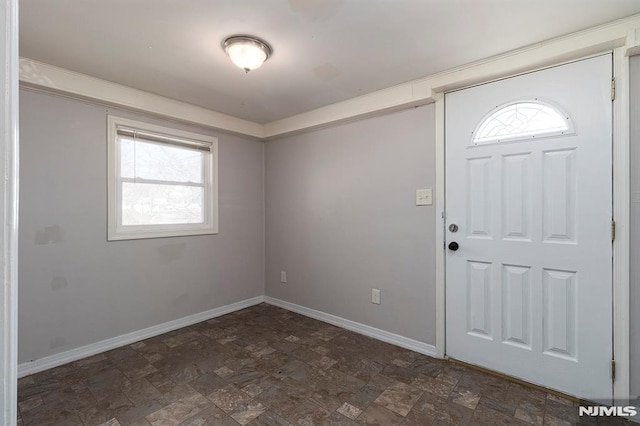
point(395, 98)
point(623, 32)
point(562, 49)
point(38, 74)
point(632, 46)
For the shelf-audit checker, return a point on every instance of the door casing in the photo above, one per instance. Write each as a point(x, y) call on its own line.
point(621, 184)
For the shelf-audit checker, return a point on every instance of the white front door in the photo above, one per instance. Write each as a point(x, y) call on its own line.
point(529, 187)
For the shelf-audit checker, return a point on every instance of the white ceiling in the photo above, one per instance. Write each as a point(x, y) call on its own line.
point(325, 51)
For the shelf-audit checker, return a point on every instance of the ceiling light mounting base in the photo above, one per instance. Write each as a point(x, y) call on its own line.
point(247, 52)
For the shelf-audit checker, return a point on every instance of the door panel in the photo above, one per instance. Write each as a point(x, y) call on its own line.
point(479, 198)
point(559, 196)
point(516, 305)
point(516, 208)
point(479, 299)
point(529, 291)
point(560, 319)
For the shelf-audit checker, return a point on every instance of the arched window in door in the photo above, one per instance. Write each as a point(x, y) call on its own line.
point(524, 119)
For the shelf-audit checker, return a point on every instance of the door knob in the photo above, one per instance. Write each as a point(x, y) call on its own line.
point(453, 246)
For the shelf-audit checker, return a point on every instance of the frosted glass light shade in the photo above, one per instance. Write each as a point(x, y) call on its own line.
point(247, 53)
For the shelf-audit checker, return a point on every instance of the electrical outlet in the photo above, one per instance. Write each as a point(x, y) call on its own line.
point(375, 296)
point(283, 277)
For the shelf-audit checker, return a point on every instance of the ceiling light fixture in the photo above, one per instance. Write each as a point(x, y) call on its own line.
point(247, 52)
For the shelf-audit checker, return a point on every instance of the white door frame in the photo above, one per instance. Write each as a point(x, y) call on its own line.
point(621, 208)
point(9, 204)
point(620, 212)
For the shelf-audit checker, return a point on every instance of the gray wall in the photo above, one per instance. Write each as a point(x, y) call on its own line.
point(75, 288)
point(635, 225)
point(341, 219)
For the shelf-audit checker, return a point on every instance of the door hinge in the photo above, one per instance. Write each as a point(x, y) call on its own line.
point(613, 370)
point(613, 230)
point(613, 89)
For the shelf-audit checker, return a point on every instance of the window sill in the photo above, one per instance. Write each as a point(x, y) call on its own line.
point(143, 234)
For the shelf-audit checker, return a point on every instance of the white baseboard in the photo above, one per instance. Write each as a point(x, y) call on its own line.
point(56, 360)
point(376, 333)
point(106, 345)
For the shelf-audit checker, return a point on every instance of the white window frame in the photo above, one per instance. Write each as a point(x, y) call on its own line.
point(117, 231)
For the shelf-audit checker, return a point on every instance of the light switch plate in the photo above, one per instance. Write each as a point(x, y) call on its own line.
point(424, 197)
point(283, 277)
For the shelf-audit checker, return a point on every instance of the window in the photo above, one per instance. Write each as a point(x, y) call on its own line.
point(162, 182)
point(522, 120)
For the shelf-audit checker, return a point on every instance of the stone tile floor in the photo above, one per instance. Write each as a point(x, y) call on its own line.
point(268, 366)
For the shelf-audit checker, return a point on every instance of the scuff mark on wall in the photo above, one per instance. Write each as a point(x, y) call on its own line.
point(58, 283)
point(171, 252)
point(50, 235)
